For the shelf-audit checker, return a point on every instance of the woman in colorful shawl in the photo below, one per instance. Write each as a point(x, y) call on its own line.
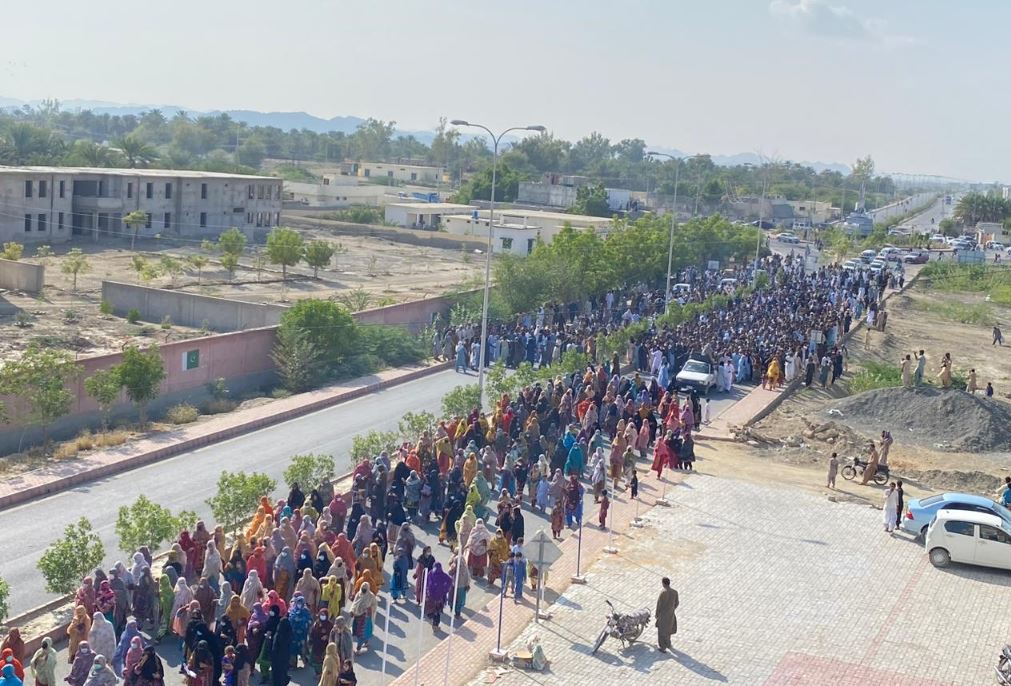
point(439, 586)
point(310, 590)
point(661, 455)
point(498, 553)
point(43, 664)
point(102, 638)
point(300, 619)
point(401, 568)
point(284, 573)
point(239, 616)
point(363, 609)
point(129, 633)
point(82, 663)
point(77, 631)
point(424, 564)
point(149, 671)
point(252, 590)
point(573, 501)
point(319, 637)
point(105, 601)
point(132, 658)
point(477, 552)
point(330, 667)
point(101, 674)
point(86, 595)
point(461, 584)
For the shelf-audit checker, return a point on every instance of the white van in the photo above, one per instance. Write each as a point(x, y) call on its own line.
point(974, 538)
point(868, 256)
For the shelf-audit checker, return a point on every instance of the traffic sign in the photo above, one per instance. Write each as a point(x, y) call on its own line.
point(541, 550)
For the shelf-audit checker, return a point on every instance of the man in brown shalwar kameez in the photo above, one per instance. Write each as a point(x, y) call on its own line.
point(666, 621)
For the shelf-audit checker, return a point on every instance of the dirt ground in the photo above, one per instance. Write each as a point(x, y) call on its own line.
point(801, 434)
point(388, 272)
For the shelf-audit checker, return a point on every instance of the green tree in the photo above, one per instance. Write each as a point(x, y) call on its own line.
point(197, 262)
point(232, 242)
point(251, 153)
point(135, 220)
point(138, 264)
point(39, 378)
point(309, 471)
point(299, 362)
point(67, 560)
point(104, 387)
point(141, 373)
point(75, 262)
point(285, 247)
point(592, 201)
point(136, 151)
point(460, 401)
point(326, 326)
point(171, 266)
point(413, 424)
point(145, 523)
point(368, 445)
point(318, 254)
point(230, 262)
point(507, 185)
point(12, 251)
point(238, 496)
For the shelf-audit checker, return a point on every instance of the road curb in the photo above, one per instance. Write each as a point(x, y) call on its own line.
point(134, 461)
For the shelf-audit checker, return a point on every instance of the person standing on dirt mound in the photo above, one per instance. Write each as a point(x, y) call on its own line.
point(921, 366)
point(945, 374)
point(907, 380)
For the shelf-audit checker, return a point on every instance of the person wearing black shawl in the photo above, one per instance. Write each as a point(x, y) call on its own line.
point(280, 653)
point(149, 671)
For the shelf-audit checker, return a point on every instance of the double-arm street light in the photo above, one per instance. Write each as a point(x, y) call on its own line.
point(491, 230)
point(673, 220)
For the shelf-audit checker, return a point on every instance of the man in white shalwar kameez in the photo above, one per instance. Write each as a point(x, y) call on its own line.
point(891, 508)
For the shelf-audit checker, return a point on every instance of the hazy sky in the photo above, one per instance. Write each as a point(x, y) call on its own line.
point(918, 84)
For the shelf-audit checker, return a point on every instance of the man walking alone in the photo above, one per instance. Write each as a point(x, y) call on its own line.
point(666, 620)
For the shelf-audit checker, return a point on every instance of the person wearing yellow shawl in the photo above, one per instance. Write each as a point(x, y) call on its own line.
point(469, 468)
point(498, 552)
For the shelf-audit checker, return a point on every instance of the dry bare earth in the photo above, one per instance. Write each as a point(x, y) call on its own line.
point(801, 431)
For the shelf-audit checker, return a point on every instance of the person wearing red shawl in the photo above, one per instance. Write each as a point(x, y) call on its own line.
point(256, 561)
point(189, 547)
point(7, 658)
point(413, 463)
point(661, 454)
point(86, 595)
point(343, 549)
point(200, 537)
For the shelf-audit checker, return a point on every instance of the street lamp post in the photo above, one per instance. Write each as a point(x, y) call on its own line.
point(491, 228)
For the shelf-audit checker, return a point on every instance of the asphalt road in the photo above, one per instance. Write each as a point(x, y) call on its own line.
point(922, 223)
point(189, 479)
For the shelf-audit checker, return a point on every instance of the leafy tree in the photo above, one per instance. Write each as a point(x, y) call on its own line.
point(39, 378)
point(326, 326)
point(141, 373)
point(318, 254)
point(948, 227)
point(43, 253)
point(135, 220)
point(75, 262)
point(369, 445)
point(67, 560)
point(461, 400)
point(104, 386)
point(981, 207)
point(413, 424)
point(592, 200)
point(299, 362)
point(355, 300)
point(238, 495)
point(145, 523)
point(286, 248)
point(232, 242)
point(251, 153)
point(12, 251)
point(171, 266)
point(138, 264)
point(507, 185)
point(136, 151)
point(230, 262)
point(309, 471)
point(197, 262)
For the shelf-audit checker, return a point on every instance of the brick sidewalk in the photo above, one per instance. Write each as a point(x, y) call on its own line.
point(468, 657)
point(61, 475)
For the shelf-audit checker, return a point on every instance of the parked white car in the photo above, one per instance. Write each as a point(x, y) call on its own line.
point(973, 538)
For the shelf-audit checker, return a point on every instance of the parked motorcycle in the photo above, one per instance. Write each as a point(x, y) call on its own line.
point(624, 627)
point(851, 471)
point(1003, 667)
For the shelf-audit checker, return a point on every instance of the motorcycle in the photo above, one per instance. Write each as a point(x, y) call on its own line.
point(624, 627)
point(1003, 667)
point(851, 471)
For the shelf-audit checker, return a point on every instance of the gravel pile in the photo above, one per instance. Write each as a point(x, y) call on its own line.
point(944, 420)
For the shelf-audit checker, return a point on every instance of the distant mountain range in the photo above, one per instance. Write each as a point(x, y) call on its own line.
point(302, 120)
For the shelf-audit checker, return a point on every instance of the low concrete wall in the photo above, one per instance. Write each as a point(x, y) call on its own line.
point(22, 276)
point(242, 359)
point(189, 309)
point(414, 315)
point(435, 239)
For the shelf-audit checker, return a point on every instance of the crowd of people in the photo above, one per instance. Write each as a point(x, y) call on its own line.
point(298, 587)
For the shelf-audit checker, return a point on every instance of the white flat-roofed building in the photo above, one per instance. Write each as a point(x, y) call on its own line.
point(517, 231)
point(53, 204)
point(423, 215)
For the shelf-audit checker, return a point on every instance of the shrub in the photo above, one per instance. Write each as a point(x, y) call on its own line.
point(876, 375)
point(110, 439)
point(133, 316)
point(218, 389)
point(215, 406)
point(280, 393)
point(327, 326)
point(23, 320)
point(5, 594)
point(461, 400)
point(309, 471)
point(355, 366)
point(12, 251)
point(70, 316)
point(166, 322)
point(67, 560)
point(183, 413)
point(238, 496)
point(144, 523)
point(412, 424)
point(105, 307)
point(394, 345)
point(368, 445)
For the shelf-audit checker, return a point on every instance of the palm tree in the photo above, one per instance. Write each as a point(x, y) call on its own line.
point(91, 154)
point(136, 151)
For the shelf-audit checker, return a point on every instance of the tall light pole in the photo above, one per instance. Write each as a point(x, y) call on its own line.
point(491, 229)
point(673, 221)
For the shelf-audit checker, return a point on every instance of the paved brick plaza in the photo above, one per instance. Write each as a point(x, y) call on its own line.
point(777, 587)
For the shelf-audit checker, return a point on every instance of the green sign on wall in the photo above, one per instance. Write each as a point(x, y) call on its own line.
point(191, 359)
